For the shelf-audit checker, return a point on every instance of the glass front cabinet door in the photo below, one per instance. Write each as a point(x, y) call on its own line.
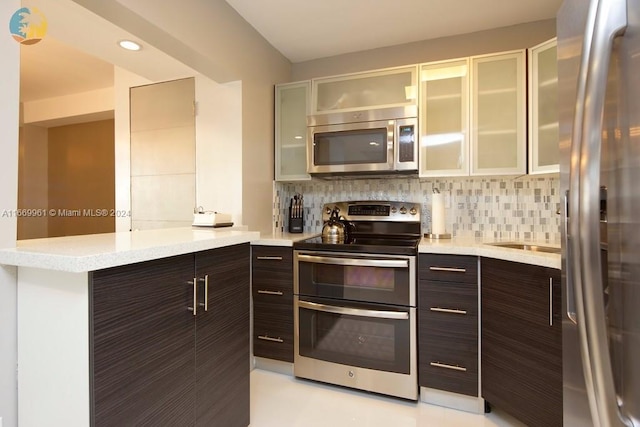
point(444, 118)
point(291, 109)
point(366, 96)
point(498, 114)
point(543, 108)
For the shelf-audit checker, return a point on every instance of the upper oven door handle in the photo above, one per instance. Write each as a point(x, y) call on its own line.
point(395, 315)
point(384, 263)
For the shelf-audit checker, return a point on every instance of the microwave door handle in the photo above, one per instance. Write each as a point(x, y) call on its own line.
point(378, 314)
point(383, 263)
point(607, 19)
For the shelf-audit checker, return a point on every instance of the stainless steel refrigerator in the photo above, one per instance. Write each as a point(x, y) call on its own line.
point(599, 128)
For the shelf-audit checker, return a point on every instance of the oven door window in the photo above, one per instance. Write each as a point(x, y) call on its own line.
point(382, 280)
point(372, 337)
point(351, 147)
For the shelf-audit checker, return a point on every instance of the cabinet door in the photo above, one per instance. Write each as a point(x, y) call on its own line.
point(373, 90)
point(544, 152)
point(272, 283)
point(522, 341)
point(222, 338)
point(142, 337)
point(291, 110)
point(498, 114)
point(444, 118)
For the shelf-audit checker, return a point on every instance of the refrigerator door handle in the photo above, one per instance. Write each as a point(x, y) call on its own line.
point(571, 305)
point(607, 19)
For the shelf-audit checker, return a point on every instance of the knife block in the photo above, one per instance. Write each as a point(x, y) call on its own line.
point(296, 224)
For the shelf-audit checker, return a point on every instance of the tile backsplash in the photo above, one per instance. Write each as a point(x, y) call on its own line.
point(518, 208)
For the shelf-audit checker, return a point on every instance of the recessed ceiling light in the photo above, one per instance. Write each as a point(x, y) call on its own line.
point(129, 45)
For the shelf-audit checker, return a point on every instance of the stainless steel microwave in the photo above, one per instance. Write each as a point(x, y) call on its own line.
point(385, 146)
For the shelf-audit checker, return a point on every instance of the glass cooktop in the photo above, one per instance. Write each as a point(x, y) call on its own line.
point(365, 244)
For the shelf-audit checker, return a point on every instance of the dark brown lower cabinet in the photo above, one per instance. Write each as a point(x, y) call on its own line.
point(448, 323)
point(522, 341)
point(153, 362)
point(272, 283)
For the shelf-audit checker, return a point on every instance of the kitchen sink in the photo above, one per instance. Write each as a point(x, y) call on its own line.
point(528, 247)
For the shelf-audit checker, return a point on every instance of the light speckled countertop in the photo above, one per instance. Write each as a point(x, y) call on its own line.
point(98, 251)
point(483, 248)
point(456, 246)
point(282, 239)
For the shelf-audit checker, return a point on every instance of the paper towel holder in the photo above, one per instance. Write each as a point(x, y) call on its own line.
point(437, 236)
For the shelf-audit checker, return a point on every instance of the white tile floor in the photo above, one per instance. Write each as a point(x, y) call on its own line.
point(279, 400)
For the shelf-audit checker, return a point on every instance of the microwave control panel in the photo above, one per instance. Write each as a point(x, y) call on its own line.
point(406, 143)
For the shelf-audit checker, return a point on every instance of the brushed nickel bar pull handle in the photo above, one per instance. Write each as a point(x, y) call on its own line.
point(204, 304)
point(394, 315)
point(358, 262)
point(261, 291)
point(550, 301)
point(194, 309)
point(206, 292)
point(449, 269)
point(448, 310)
point(267, 338)
point(270, 258)
point(446, 366)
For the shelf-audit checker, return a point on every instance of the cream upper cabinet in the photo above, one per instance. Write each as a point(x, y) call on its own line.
point(444, 118)
point(498, 114)
point(291, 110)
point(393, 88)
point(543, 108)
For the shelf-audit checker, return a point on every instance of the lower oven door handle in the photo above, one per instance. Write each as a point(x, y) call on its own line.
point(395, 315)
point(392, 263)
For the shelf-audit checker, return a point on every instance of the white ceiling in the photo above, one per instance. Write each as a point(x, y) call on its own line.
point(309, 29)
point(300, 29)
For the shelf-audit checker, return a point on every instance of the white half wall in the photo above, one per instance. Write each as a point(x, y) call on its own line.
point(219, 147)
point(123, 81)
point(9, 119)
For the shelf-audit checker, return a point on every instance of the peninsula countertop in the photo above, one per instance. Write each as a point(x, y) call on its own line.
point(97, 251)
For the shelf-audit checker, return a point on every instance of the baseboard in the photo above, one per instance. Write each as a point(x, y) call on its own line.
point(272, 365)
point(452, 400)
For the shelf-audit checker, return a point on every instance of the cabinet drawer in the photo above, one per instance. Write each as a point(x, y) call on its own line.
point(273, 331)
point(272, 258)
point(448, 268)
point(273, 347)
point(448, 299)
point(448, 363)
point(272, 269)
point(272, 293)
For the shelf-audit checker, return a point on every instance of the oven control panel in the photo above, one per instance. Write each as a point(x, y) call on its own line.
point(374, 211)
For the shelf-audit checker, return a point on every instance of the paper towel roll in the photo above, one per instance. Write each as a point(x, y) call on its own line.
point(437, 213)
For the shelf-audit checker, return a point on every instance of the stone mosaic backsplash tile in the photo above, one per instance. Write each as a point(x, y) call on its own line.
point(518, 208)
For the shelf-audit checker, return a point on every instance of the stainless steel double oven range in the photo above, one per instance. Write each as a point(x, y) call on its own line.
point(355, 301)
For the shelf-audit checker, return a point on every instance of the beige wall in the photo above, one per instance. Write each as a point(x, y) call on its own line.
point(495, 40)
point(81, 176)
point(33, 185)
